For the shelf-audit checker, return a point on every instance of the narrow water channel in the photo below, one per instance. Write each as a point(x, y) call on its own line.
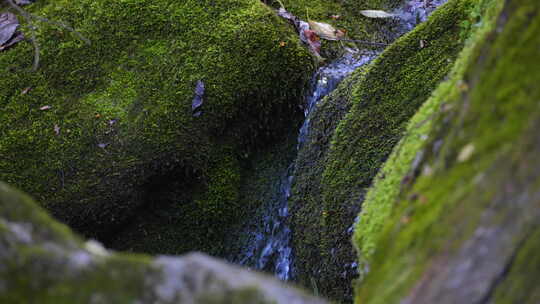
point(269, 245)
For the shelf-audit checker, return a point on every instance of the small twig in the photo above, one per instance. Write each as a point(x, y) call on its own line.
point(365, 42)
point(28, 17)
point(33, 38)
point(62, 25)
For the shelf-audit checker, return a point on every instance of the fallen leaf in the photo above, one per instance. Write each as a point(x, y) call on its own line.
point(23, 2)
point(25, 91)
point(303, 30)
point(465, 153)
point(47, 107)
point(325, 30)
point(376, 14)
point(313, 41)
point(282, 43)
point(197, 101)
point(8, 27)
point(18, 37)
point(97, 115)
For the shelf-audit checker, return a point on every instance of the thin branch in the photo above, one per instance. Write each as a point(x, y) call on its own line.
point(28, 19)
point(62, 25)
point(365, 42)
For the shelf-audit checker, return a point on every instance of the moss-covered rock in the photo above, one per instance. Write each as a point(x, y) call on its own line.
point(42, 261)
point(119, 122)
point(333, 174)
point(454, 215)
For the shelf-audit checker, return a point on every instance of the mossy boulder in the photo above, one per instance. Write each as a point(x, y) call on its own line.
point(98, 128)
point(354, 131)
point(42, 261)
point(453, 217)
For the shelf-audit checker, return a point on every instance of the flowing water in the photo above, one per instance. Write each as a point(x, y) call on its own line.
point(269, 245)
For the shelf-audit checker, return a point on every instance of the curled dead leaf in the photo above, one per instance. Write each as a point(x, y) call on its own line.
point(302, 28)
point(326, 31)
point(313, 41)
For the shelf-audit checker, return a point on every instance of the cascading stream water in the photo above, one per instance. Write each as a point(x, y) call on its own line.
point(268, 247)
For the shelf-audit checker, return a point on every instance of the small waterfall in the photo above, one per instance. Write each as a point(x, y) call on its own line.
point(268, 247)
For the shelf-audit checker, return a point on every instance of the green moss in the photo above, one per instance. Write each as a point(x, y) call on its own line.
point(306, 201)
point(123, 103)
point(521, 283)
point(42, 261)
point(383, 99)
point(406, 156)
point(429, 223)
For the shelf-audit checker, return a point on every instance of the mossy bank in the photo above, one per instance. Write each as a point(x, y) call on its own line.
point(43, 261)
point(453, 217)
point(99, 128)
point(354, 131)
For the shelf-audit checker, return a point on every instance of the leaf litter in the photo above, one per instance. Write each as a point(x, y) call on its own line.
point(198, 100)
point(312, 32)
point(376, 14)
point(8, 30)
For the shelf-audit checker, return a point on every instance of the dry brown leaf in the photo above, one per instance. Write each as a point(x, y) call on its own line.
point(325, 30)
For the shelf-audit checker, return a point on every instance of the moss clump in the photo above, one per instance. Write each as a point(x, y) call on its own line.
point(123, 105)
point(42, 261)
point(306, 202)
point(383, 99)
point(468, 209)
point(406, 157)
